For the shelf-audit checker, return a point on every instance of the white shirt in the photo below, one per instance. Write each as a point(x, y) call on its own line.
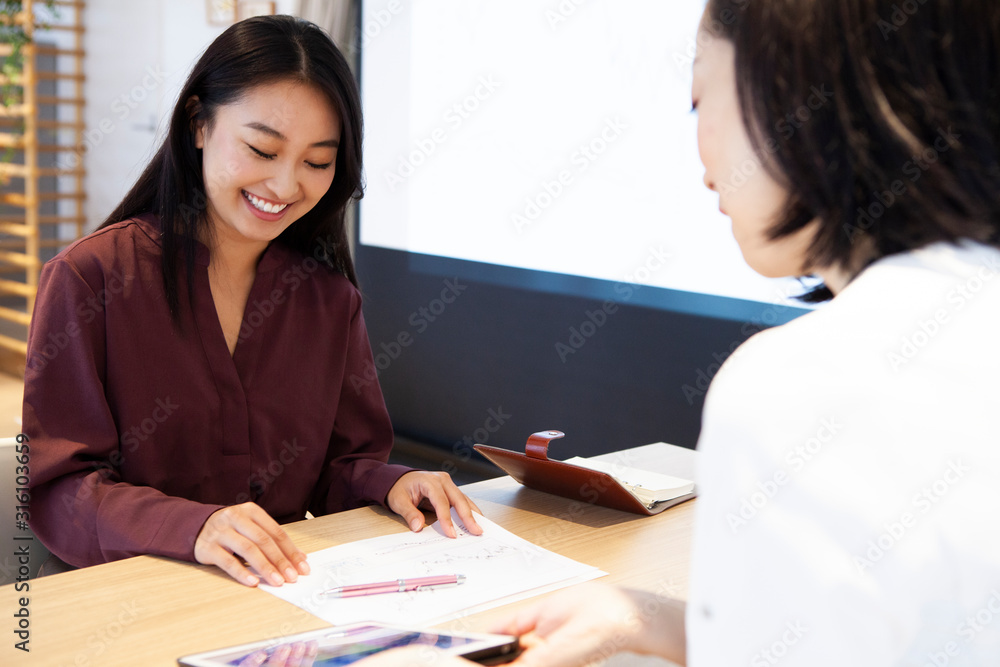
point(849, 478)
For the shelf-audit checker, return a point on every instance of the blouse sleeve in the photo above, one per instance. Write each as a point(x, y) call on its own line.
point(80, 508)
point(355, 471)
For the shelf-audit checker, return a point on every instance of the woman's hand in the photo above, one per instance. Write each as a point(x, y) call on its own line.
point(592, 621)
point(442, 494)
point(248, 533)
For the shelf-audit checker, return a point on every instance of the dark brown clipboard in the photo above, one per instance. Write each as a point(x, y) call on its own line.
point(535, 470)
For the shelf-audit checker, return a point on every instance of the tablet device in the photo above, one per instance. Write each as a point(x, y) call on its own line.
point(346, 644)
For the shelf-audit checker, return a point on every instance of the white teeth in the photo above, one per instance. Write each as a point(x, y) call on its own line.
point(262, 205)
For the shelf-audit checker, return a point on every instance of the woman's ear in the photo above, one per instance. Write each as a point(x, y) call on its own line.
point(193, 109)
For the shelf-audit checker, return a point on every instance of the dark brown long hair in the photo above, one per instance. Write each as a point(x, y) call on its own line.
point(253, 52)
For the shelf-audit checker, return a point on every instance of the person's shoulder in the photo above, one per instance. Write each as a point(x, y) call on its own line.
point(308, 274)
point(109, 243)
point(887, 299)
point(116, 248)
point(798, 365)
point(933, 275)
point(769, 353)
point(892, 310)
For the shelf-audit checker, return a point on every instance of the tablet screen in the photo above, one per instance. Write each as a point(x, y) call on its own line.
point(344, 646)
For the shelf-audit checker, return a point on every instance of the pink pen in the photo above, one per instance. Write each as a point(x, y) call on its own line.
point(396, 586)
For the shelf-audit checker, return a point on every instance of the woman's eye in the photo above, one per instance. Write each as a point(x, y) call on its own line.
point(262, 154)
point(271, 156)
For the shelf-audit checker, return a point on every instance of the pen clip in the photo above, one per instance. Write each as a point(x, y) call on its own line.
point(459, 579)
point(431, 587)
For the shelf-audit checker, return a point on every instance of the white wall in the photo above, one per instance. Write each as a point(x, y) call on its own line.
point(139, 53)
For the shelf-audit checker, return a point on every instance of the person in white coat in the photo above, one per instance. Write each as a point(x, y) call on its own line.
point(849, 459)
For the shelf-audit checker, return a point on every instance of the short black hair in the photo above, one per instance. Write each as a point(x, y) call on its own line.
point(880, 117)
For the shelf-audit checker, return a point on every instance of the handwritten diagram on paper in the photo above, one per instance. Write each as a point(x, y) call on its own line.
point(499, 568)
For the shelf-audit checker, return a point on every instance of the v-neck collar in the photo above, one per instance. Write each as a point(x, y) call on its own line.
point(251, 333)
point(233, 373)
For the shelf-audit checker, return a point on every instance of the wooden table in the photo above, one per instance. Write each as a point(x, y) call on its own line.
point(149, 610)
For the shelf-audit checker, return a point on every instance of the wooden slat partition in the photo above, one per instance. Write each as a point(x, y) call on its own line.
point(48, 194)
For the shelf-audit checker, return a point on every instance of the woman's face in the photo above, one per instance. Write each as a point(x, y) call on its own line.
point(267, 160)
point(751, 198)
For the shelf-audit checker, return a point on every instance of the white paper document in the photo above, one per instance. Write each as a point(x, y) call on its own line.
point(649, 486)
point(499, 568)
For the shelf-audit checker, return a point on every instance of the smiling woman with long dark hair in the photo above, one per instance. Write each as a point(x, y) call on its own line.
point(213, 376)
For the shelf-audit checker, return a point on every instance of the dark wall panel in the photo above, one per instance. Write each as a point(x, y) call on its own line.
point(461, 361)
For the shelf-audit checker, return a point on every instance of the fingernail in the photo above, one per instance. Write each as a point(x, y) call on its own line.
point(276, 579)
point(304, 567)
point(416, 525)
point(291, 575)
point(252, 580)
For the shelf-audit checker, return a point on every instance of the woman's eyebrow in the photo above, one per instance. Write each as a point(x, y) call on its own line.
point(271, 132)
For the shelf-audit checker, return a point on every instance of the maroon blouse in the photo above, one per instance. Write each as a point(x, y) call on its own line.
point(141, 429)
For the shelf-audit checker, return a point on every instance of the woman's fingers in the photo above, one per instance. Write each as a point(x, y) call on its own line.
point(437, 489)
point(247, 533)
point(214, 554)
